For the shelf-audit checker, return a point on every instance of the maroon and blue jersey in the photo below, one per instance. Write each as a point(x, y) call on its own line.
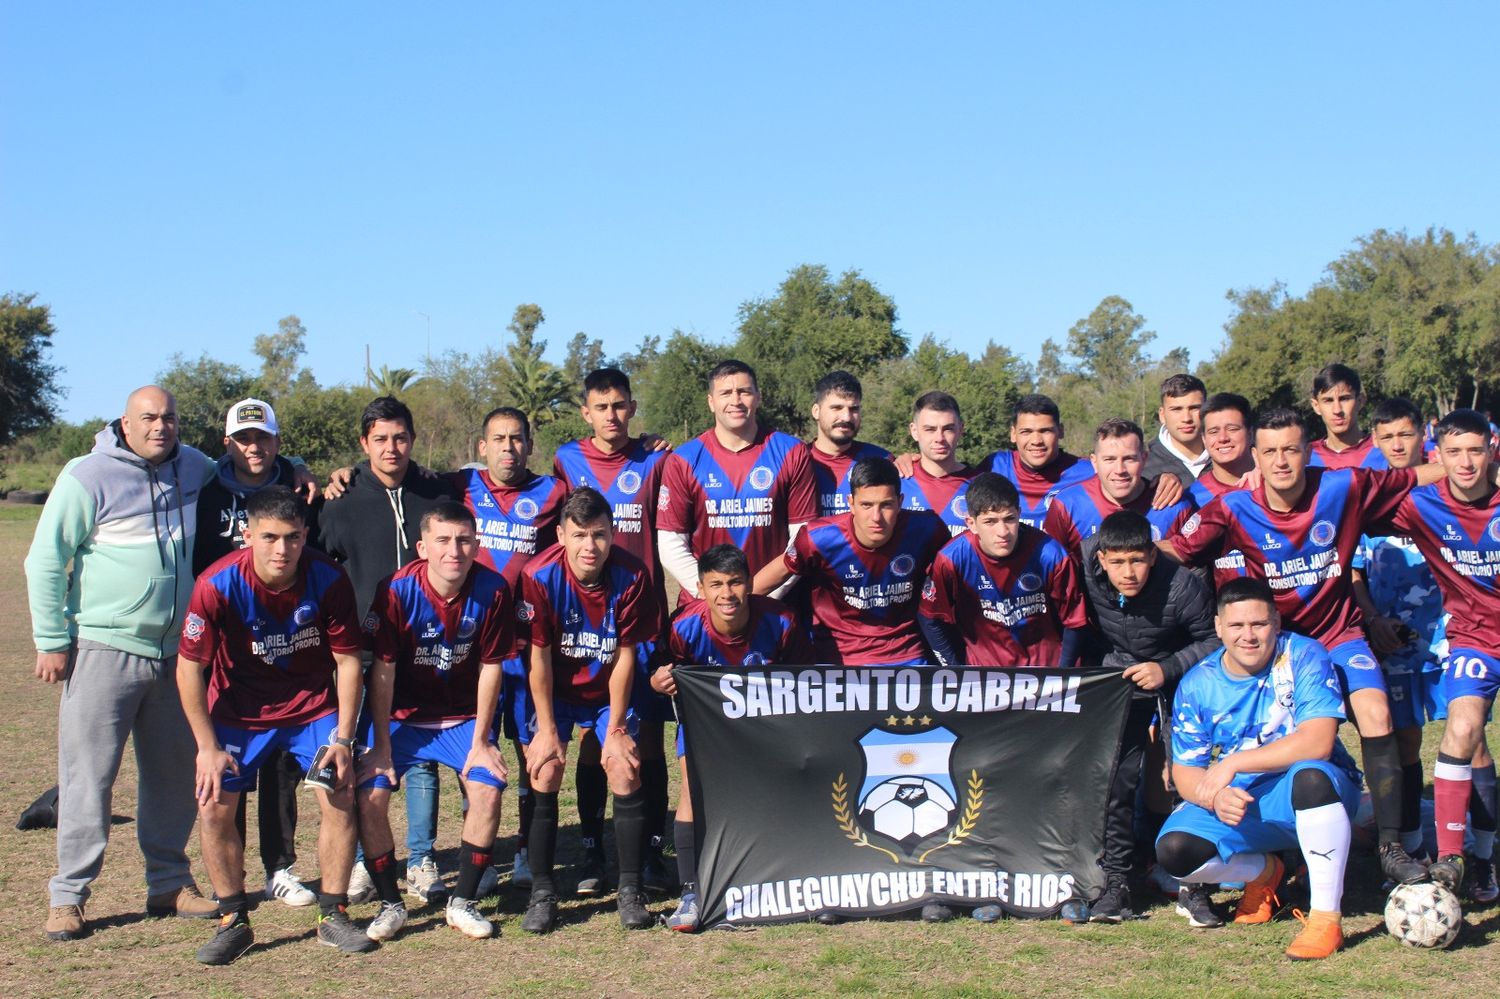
point(438, 645)
point(944, 495)
point(1461, 543)
point(831, 474)
point(628, 478)
point(1306, 553)
point(864, 600)
point(585, 626)
point(270, 652)
point(1362, 455)
point(1010, 611)
point(1204, 490)
point(771, 637)
point(747, 498)
point(1075, 513)
point(1036, 484)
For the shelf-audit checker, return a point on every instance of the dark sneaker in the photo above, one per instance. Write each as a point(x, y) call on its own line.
point(655, 874)
point(1074, 911)
point(633, 912)
point(591, 874)
point(1113, 904)
point(932, 912)
point(337, 930)
point(541, 913)
point(1398, 865)
point(1448, 871)
point(232, 939)
point(1195, 903)
point(1482, 887)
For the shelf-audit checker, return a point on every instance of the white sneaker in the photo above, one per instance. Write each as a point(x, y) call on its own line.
point(489, 883)
point(463, 915)
point(423, 880)
point(287, 887)
point(387, 922)
point(361, 888)
point(520, 871)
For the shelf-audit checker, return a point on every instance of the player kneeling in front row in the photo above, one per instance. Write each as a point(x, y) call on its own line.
point(728, 626)
point(1256, 758)
point(275, 628)
point(440, 628)
point(586, 605)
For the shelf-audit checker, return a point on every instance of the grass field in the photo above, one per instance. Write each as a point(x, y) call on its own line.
point(131, 955)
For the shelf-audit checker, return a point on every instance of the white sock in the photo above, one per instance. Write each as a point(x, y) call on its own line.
point(1323, 834)
point(1240, 867)
point(1411, 842)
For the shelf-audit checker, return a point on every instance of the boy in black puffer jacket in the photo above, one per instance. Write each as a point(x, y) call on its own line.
point(1156, 619)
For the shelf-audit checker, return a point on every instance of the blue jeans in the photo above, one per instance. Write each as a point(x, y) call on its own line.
point(421, 783)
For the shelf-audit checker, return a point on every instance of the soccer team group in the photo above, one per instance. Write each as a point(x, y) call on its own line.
point(1257, 587)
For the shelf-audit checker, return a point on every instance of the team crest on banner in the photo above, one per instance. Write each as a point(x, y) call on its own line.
point(908, 794)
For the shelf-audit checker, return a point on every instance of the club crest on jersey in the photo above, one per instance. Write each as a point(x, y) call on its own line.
point(959, 506)
point(1190, 528)
point(908, 795)
point(526, 508)
point(1322, 533)
point(1494, 530)
point(1029, 582)
point(628, 482)
point(467, 625)
point(761, 477)
point(1361, 661)
point(304, 613)
point(902, 565)
point(524, 610)
point(1155, 533)
point(929, 589)
point(193, 627)
point(372, 622)
point(663, 498)
point(754, 659)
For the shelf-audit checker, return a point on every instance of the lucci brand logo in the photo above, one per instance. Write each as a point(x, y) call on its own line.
point(526, 508)
point(1269, 543)
point(907, 796)
point(628, 482)
point(761, 477)
point(1322, 533)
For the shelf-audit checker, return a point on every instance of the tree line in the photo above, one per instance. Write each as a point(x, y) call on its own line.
point(1418, 316)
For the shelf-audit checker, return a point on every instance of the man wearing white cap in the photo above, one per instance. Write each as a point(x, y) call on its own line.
point(252, 445)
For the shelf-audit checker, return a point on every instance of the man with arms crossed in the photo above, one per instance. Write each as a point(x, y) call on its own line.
point(270, 659)
point(439, 629)
point(1256, 758)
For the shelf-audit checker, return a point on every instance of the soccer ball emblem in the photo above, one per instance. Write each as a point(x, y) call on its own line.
point(907, 809)
point(1424, 915)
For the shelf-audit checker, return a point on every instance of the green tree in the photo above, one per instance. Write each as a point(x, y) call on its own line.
point(321, 425)
point(391, 381)
point(814, 325)
point(676, 395)
point(454, 394)
point(529, 382)
point(28, 383)
point(1105, 371)
point(279, 353)
point(205, 389)
point(584, 355)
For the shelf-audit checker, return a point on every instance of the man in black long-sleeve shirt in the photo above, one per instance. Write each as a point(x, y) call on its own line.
point(1156, 620)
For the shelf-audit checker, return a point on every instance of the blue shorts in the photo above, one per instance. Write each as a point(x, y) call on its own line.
point(1270, 823)
point(250, 748)
point(1415, 698)
point(1470, 673)
point(1357, 666)
point(412, 744)
point(585, 716)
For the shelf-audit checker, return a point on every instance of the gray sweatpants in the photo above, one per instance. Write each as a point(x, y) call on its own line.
point(107, 696)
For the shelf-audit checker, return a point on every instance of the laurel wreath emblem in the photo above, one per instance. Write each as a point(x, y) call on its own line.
point(846, 819)
point(965, 827)
point(973, 804)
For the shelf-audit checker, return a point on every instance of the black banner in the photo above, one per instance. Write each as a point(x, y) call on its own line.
point(863, 791)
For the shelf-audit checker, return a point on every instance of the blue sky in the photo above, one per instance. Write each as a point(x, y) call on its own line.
point(178, 177)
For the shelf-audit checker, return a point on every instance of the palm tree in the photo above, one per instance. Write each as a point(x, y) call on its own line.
point(391, 381)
